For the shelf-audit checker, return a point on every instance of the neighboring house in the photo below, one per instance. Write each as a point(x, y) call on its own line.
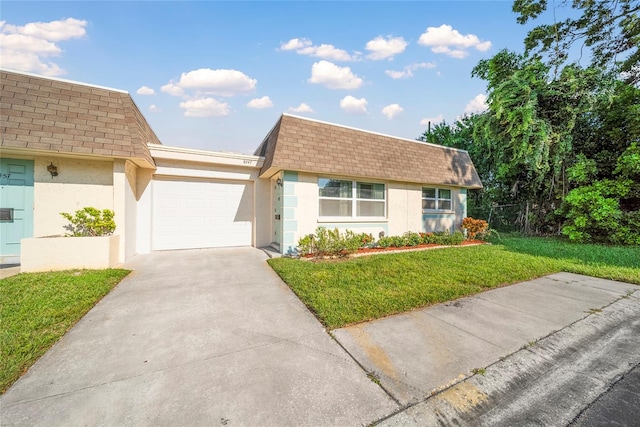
point(305, 174)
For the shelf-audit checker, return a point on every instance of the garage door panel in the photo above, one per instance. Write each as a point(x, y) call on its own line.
point(201, 214)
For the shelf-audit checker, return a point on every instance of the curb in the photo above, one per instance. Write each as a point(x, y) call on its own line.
point(545, 383)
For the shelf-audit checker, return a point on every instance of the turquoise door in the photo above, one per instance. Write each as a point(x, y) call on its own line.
point(16, 207)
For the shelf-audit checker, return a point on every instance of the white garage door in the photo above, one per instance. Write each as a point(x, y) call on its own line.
point(201, 214)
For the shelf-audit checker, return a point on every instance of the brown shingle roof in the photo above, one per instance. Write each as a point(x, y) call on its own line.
point(299, 144)
point(40, 113)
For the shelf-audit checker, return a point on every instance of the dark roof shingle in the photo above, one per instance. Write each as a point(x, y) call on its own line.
point(299, 144)
point(40, 113)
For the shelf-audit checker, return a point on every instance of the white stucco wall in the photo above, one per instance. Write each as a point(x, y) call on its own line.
point(131, 205)
point(262, 212)
point(80, 183)
point(143, 210)
point(404, 211)
point(404, 201)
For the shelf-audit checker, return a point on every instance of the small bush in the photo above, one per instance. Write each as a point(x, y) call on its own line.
point(475, 227)
point(90, 222)
point(412, 239)
point(385, 242)
point(328, 242)
point(306, 244)
point(351, 241)
point(333, 243)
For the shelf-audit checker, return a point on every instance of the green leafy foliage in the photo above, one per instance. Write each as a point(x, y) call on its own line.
point(583, 171)
point(90, 221)
point(553, 127)
point(332, 243)
point(610, 29)
point(593, 211)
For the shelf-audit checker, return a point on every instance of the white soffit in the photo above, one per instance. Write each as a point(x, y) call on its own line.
point(202, 156)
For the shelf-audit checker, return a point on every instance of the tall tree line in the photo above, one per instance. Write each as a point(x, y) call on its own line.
point(558, 149)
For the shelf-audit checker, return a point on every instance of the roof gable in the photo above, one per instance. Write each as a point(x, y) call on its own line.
point(40, 113)
point(305, 145)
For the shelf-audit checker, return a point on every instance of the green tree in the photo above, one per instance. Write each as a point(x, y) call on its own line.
point(610, 29)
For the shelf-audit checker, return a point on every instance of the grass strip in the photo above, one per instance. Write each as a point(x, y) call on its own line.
point(36, 309)
point(356, 290)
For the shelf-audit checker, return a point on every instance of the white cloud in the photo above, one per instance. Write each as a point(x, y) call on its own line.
point(22, 43)
point(385, 48)
point(66, 29)
point(172, 89)
point(302, 108)
point(259, 103)
point(205, 107)
point(354, 105)
point(477, 104)
point(330, 75)
point(145, 90)
point(444, 39)
point(295, 44)
point(28, 47)
point(304, 46)
point(408, 70)
point(220, 82)
point(392, 110)
point(434, 120)
point(154, 108)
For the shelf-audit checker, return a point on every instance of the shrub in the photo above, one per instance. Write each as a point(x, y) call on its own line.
point(456, 238)
point(328, 242)
point(366, 240)
point(593, 212)
point(385, 242)
point(331, 242)
point(426, 238)
point(475, 227)
point(90, 222)
point(412, 239)
point(307, 244)
point(351, 241)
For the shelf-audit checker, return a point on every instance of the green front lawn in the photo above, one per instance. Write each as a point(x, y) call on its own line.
point(36, 309)
point(360, 289)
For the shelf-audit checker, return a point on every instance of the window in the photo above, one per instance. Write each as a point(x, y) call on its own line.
point(351, 199)
point(436, 199)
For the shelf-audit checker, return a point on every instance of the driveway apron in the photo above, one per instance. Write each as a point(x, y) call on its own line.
point(197, 337)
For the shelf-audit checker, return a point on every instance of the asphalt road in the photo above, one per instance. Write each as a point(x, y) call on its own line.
point(618, 406)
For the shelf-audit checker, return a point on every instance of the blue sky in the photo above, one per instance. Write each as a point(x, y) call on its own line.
point(217, 75)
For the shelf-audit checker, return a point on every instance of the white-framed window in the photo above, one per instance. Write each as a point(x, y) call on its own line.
point(436, 199)
point(351, 199)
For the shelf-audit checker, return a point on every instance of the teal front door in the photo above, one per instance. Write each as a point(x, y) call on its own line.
point(16, 207)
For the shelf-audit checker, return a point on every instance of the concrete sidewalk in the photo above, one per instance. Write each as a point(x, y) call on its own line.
point(418, 353)
point(199, 337)
point(563, 379)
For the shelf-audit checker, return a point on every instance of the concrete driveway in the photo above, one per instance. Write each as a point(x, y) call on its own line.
point(198, 337)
